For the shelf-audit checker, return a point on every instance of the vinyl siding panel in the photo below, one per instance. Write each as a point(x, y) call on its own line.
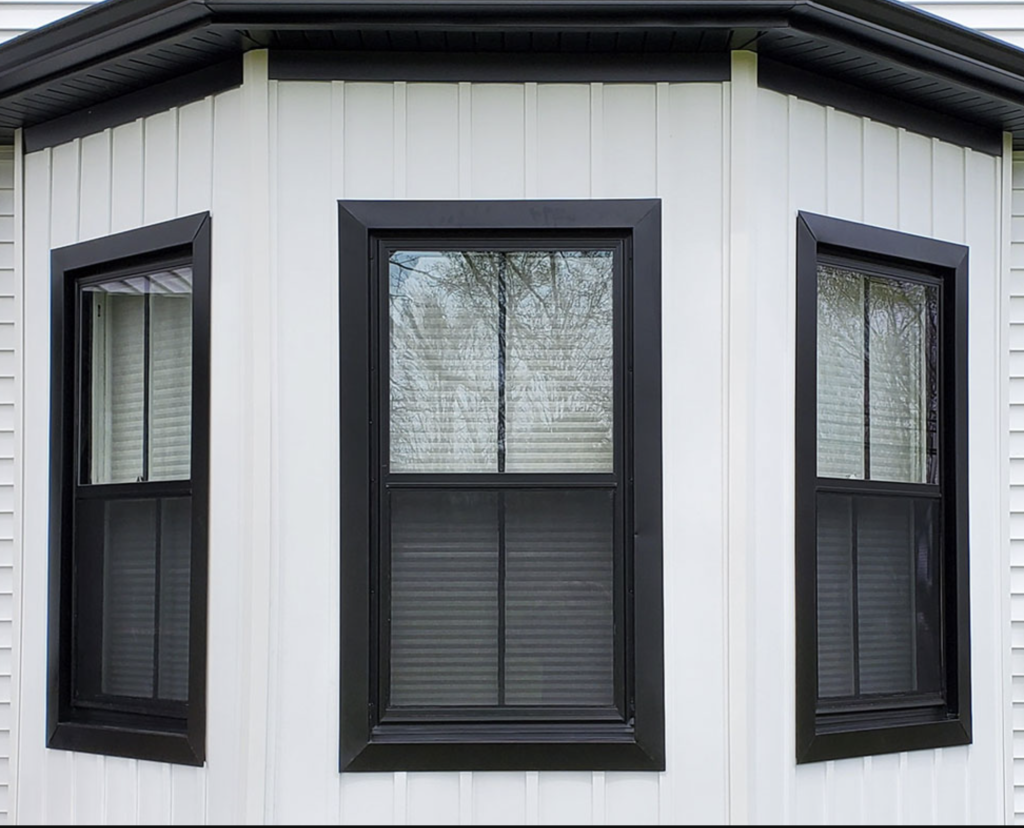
point(18, 17)
point(815, 158)
point(10, 355)
point(1000, 18)
point(1016, 495)
point(381, 141)
point(171, 164)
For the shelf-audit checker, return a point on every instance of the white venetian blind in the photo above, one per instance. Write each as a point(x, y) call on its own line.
point(141, 396)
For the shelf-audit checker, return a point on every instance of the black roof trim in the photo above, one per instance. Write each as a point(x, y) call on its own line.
point(120, 46)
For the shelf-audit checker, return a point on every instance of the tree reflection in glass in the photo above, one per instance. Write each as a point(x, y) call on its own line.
point(877, 392)
point(501, 361)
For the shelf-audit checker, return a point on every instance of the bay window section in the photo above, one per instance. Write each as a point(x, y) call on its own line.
point(500, 509)
point(130, 449)
point(882, 623)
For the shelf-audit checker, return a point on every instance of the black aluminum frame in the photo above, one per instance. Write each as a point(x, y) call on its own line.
point(827, 729)
point(630, 736)
point(157, 730)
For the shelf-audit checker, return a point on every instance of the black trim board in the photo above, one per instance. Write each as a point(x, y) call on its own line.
point(126, 108)
point(498, 67)
point(367, 743)
point(821, 89)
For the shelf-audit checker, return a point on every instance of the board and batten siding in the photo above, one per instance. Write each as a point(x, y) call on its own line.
point(175, 163)
point(340, 140)
point(818, 159)
point(732, 164)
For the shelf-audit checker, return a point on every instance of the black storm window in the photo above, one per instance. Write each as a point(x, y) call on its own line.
point(129, 493)
point(501, 493)
point(882, 616)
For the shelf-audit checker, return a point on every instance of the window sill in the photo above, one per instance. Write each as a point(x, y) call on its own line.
point(882, 737)
point(505, 747)
point(141, 741)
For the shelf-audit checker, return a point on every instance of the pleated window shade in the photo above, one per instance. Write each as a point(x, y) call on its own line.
point(139, 421)
point(877, 595)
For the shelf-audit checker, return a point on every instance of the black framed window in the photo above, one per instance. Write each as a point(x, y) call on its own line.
point(130, 402)
point(501, 533)
point(882, 595)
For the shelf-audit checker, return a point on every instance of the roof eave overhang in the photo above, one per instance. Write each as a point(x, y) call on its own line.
point(118, 47)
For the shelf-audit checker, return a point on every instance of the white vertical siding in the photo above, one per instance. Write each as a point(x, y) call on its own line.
point(814, 158)
point(1016, 421)
point(273, 661)
point(19, 16)
point(171, 164)
point(383, 140)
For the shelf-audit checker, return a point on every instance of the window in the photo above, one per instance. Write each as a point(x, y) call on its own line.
point(129, 453)
point(501, 486)
point(881, 522)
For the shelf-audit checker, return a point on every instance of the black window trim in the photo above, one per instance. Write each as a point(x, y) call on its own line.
point(174, 732)
point(366, 743)
point(893, 727)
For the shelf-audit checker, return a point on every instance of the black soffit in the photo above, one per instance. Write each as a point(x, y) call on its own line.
point(79, 69)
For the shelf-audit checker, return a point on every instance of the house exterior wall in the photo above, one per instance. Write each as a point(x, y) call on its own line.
point(999, 18)
point(732, 164)
point(176, 163)
point(18, 16)
point(1015, 293)
point(814, 158)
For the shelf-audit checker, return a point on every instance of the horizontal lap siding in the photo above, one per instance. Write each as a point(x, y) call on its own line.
point(999, 18)
point(1016, 357)
point(176, 163)
point(482, 141)
point(10, 354)
point(821, 160)
point(18, 16)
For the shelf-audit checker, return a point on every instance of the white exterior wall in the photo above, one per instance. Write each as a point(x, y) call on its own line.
point(18, 16)
point(999, 18)
point(732, 164)
point(814, 158)
point(1016, 494)
point(172, 164)
point(479, 141)
point(10, 331)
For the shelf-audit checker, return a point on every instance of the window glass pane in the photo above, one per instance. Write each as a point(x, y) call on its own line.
point(559, 362)
point(137, 376)
point(444, 598)
point(877, 388)
point(878, 596)
point(840, 373)
point(560, 622)
point(444, 377)
point(902, 384)
point(132, 585)
point(501, 361)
